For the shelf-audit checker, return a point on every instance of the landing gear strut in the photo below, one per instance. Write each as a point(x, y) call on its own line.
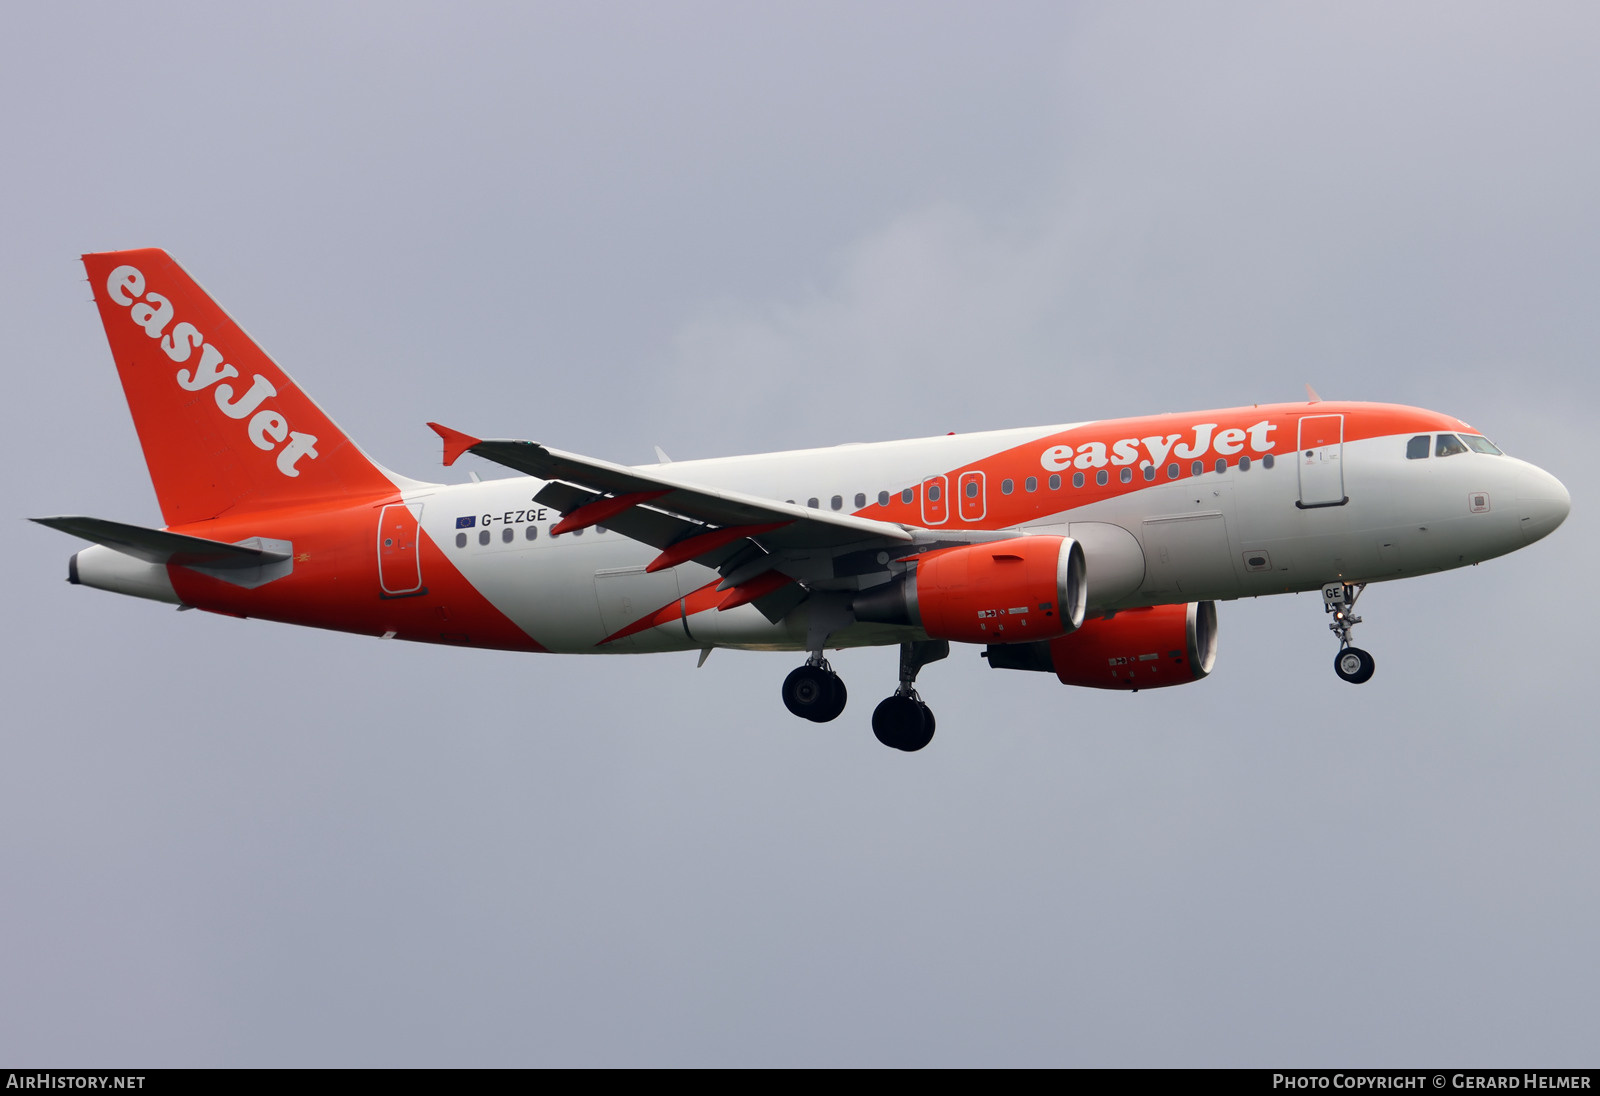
point(903, 721)
point(1351, 663)
point(814, 691)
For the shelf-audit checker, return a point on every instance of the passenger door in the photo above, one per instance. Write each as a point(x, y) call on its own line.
point(1321, 461)
point(399, 554)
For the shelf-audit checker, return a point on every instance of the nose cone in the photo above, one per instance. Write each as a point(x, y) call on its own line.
point(1542, 503)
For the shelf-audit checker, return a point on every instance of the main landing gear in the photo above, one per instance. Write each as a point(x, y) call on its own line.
point(1351, 663)
point(903, 721)
point(814, 691)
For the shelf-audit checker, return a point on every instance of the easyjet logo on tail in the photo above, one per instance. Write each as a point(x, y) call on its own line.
point(266, 428)
point(1125, 451)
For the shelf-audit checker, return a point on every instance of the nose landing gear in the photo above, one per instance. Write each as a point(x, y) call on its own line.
point(1351, 663)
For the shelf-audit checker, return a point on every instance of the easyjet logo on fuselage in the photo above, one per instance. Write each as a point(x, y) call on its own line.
point(267, 429)
point(1203, 438)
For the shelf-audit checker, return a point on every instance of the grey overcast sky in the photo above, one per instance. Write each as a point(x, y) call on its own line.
point(723, 228)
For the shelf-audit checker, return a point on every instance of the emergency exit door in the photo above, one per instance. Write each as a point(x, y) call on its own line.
point(971, 500)
point(935, 500)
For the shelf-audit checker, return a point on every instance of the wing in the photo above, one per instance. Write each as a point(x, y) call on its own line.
point(745, 537)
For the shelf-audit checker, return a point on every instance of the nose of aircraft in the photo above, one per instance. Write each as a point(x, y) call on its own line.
point(1542, 503)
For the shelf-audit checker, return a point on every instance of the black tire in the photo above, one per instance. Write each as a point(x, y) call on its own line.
point(924, 733)
point(840, 697)
point(1354, 665)
point(813, 693)
point(902, 723)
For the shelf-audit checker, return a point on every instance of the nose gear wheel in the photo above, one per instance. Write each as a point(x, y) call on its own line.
point(1352, 664)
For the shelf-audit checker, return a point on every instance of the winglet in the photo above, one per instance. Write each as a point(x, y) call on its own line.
point(455, 442)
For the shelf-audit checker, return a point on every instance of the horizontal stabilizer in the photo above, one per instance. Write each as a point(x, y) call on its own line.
point(159, 546)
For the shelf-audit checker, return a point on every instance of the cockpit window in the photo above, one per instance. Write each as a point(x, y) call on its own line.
point(1417, 447)
point(1448, 446)
point(1480, 444)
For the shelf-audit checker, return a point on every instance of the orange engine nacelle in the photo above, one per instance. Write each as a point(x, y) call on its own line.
point(1007, 591)
point(1134, 649)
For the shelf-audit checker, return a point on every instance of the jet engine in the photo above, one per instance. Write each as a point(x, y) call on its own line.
point(1134, 649)
point(1005, 591)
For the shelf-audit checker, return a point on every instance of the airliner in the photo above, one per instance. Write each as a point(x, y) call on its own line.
point(1094, 550)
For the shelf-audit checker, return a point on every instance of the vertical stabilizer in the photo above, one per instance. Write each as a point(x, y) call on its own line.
point(223, 428)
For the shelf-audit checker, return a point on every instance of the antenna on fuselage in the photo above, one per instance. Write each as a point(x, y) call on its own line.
point(1311, 394)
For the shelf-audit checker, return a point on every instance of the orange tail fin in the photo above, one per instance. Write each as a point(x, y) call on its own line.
point(223, 428)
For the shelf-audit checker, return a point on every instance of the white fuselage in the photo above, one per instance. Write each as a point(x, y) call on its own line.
point(1216, 536)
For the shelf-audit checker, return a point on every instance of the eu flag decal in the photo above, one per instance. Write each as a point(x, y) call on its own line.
point(467, 522)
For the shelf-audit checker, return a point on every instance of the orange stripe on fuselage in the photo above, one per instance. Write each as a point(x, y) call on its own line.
point(335, 581)
point(1095, 445)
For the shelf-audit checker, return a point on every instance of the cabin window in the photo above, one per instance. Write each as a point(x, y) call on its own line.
point(1055, 483)
point(1149, 472)
point(506, 534)
point(531, 532)
point(905, 496)
point(1480, 444)
point(837, 502)
point(1244, 464)
point(1127, 475)
point(1101, 478)
point(483, 537)
point(813, 503)
point(1006, 487)
point(883, 498)
point(1222, 466)
point(461, 540)
point(861, 500)
point(933, 492)
point(971, 489)
point(1031, 484)
point(1197, 469)
point(1172, 470)
point(1417, 447)
point(1077, 479)
point(1267, 461)
point(1448, 446)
